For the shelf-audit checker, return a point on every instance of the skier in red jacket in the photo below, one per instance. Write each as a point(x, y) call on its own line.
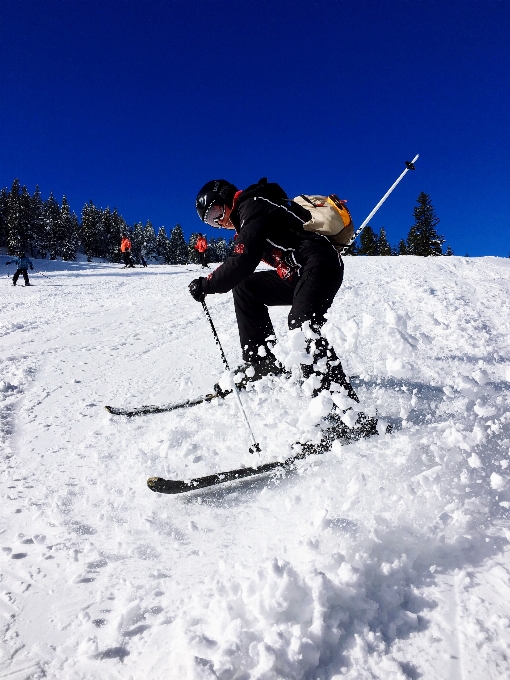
point(125, 249)
point(201, 247)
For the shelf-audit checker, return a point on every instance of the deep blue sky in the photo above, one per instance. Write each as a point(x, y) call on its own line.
point(136, 104)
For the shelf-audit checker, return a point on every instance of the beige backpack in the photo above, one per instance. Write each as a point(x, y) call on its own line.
point(329, 217)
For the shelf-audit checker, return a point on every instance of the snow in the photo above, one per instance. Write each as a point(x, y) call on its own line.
point(387, 558)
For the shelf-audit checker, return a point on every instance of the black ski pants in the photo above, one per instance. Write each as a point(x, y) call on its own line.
point(310, 297)
point(25, 276)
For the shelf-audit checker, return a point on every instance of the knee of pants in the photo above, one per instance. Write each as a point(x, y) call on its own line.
point(316, 321)
point(241, 292)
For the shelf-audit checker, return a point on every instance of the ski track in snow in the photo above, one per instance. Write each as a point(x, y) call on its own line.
point(387, 558)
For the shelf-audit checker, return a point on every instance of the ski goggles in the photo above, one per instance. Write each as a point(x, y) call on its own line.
point(214, 214)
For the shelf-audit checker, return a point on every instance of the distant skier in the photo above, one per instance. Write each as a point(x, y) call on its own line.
point(125, 249)
point(309, 272)
point(22, 263)
point(201, 247)
point(142, 260)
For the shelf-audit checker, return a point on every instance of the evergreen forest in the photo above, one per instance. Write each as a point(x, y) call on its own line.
point(47, 229)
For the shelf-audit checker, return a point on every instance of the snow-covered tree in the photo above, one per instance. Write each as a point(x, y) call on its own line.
point(69, 242)
point(449, 251)
point(423, 239)
point(384, 247)
point(39, 245)
point(91, 237)
point(52, 225)
point(112, 226)
point(14, 236)
point(4, 229)
point(149, 241)
point(177, 248)
point(136, 239)
point(162, 244)
point(218, 249)
point(193, 256)
point(368, 242)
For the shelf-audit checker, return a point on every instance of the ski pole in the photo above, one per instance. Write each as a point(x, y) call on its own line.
point(38, 272)
point(255, 447)
point(409, 166)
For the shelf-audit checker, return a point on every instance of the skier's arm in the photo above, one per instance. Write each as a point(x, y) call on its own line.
point(247, 254)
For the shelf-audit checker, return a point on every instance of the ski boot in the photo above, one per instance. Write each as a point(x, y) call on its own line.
point(251, 371)
point(330, 371)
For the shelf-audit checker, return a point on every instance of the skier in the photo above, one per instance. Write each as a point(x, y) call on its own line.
point(308, 273)
point(125, 249)
point(201, 247)
point(22, 264)
point(143, 261)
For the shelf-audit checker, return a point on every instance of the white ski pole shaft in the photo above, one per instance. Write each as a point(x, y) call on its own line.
point(255, 447)
point(367, 220)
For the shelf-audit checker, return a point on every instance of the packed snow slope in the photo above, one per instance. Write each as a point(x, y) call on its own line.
point(387, 558)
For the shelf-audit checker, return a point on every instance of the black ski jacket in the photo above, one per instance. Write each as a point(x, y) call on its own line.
point(268, 231)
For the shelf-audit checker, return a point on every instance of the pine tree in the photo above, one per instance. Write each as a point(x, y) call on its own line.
point(136, 239)
point(107, 228)
point(217, 250)
point(402, 247)
point(14, 235)
point(369, 242)
point(40, 242)
point(423, 239)
point(53, 226)
point(353, 249)
point(149, 241)
point(162, 244)
point(193, 257)
point(383, 245)
point(69, 238)
point(119, 227)
point(177, 248)
point(449, 251)
point(4, 229)
point(112, 226)
point(91, 237)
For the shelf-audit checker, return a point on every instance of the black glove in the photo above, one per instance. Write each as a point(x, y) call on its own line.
point(196, 289)
point(31, 268)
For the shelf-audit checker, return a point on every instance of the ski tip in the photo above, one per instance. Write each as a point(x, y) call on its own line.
point(160, 485)
point(114, 411)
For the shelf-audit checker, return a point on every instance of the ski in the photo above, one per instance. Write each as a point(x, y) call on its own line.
point(150, 409)
point(366, 427)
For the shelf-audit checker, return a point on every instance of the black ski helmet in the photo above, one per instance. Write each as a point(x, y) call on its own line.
point(215, 192)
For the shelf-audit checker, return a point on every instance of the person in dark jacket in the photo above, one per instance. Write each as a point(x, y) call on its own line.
point(308, 273)
point(22, 264)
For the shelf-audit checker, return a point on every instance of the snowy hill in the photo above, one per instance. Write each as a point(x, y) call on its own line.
point(387, 558)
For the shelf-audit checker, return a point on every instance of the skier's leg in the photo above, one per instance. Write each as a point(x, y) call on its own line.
point(313, 296)
point(251, 300)
point(25, 276)
point(16, 276)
